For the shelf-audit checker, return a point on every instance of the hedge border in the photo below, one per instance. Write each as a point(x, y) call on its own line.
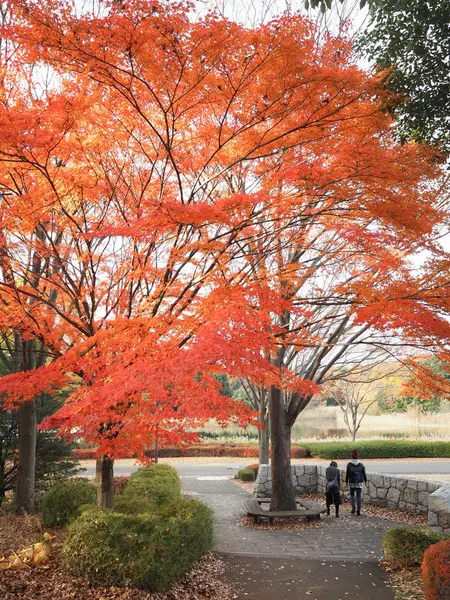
point(327, 450)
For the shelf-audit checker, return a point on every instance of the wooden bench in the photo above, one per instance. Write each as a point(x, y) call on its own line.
point(253, 509)
point(310, 505)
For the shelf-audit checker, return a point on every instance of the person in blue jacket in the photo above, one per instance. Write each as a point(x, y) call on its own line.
point(355, 478)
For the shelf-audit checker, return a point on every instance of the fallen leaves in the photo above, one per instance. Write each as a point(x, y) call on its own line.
point(24, 530)
point(407, 583)
point(206, 581)
point(31, 556)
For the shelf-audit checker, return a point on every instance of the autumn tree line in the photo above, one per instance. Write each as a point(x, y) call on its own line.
point(186, 198)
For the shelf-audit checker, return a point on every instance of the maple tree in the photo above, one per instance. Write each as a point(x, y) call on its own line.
point(206, 199)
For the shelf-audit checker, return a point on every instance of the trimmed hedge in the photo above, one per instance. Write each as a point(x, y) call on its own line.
point(155, 486)
point(405, 546)
point(62, 502)
point(328, 450)
point(244, 450)
point(379, 449)
point(147, 551)
point(246, 475)
point(436, 571)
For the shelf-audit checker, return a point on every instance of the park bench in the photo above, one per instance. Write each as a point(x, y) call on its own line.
point(310, 505)
point(254, 509)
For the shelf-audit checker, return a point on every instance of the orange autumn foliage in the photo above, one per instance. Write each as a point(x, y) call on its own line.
point(194, 192)
point(436, 571)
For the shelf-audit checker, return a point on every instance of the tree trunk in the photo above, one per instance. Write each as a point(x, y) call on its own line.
point(283, 495)
point(25, 491)
point(104, 475)
point(263, 439)
point(2, 481)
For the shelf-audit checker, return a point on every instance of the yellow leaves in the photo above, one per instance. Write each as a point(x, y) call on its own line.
point(35, 555)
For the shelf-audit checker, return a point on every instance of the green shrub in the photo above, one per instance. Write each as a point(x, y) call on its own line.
point(246, 475)
point(405, 546)
point(61, 503)
point(436, 571)
point(84, 507)
point(147, 551)
point(158, 484)
point(254, 467)
point(378, 449)
point(133, 505)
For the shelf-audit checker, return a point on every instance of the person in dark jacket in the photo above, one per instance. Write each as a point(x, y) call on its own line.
point(333, 487)
point(355, 478)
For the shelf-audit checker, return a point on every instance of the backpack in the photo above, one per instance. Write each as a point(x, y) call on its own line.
point(333, 486)
point(357, 477)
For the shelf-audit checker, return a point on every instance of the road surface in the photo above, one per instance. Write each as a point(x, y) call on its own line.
point(227, 467)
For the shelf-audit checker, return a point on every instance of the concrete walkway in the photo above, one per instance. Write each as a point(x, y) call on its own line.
point(339, 558)
point(346, 538)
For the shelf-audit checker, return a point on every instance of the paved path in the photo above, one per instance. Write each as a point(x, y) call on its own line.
point(347, 538)
point(293, 579)
point(335, 558)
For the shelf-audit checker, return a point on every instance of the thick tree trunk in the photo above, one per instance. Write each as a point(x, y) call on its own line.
point(263, 439)
point(104, 475)
point(25, 490)
point(283, 495)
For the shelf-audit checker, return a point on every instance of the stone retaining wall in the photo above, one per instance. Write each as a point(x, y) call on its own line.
point(412, 495)
point(439, 509)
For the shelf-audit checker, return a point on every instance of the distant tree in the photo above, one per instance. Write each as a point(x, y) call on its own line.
point(354, 398)
point(418, 387)
point(411, 38)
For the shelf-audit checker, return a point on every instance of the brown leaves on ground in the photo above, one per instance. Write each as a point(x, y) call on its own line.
point(204, 582)
point(19, 531)
point(372, 516)
point(282, 525)
point(407, 583)
point(35, 555)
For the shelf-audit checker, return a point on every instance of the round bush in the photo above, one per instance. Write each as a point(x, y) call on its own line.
point(147, 551)
point(246, 475)
point(405, 546)
point(436, 571)
point(133, 505)
point(61, 503)
point(254, 467)
point(298, 452)
point(158, 484)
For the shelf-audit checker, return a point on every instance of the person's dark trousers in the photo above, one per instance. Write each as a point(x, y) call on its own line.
point(358, 499)
point(332, 498)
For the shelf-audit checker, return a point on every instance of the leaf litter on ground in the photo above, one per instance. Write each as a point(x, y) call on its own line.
point(372, 516)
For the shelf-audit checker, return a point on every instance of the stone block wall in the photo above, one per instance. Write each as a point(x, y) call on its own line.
point(439, 509)
point(304, 478)
point(390, 491)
